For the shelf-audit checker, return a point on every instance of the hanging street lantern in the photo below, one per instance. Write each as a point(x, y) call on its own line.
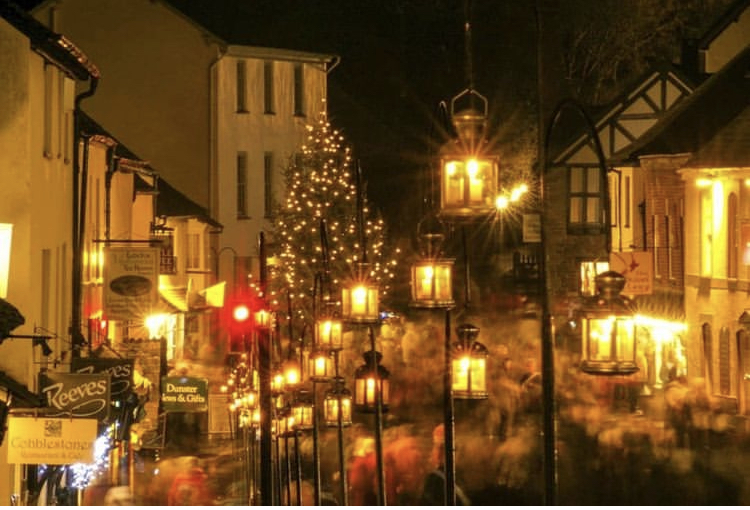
point(302, 411)
point(371, 380)
point(338, 393)
point(469, 364)
point(329, 333)
point(320, 365)
point(359, 301)
point(468, 175)
point(431, 276)
point(608, 329)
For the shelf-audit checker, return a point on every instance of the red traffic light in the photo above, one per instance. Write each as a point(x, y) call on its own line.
point(241, 313)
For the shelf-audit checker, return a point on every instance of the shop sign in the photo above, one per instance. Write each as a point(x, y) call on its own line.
point(637, 268)
point(131, 281)
point(76, 395)
point(184, 394)
point(120, 371)
point(51, 441)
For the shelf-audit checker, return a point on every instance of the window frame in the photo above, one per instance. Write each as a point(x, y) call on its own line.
point(581, 200)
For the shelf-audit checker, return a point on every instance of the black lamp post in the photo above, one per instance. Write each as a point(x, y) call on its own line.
point(548, 367)
point(432, 288)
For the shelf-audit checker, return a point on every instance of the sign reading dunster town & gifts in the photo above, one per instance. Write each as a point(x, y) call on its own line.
point(131, 281)
point(51, 441)
point(638, 269)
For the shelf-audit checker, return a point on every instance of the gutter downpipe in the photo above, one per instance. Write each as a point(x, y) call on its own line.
point(79, 218)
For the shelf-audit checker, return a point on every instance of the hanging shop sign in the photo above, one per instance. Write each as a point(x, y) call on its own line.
point(120, 371)
point(76, 395)
point(638, 269)
point(51, 441)
point(184, 394)
point(131, 282)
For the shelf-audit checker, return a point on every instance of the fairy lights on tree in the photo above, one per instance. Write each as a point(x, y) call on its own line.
point(321, 184)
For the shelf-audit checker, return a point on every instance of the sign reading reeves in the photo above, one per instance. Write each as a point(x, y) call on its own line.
point(184, 394)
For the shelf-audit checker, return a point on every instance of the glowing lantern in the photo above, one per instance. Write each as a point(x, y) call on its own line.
point(338, 397)
point(329, 333)
point(468, 180)
point(608, 329)
point(370, 381)
point(469, 364)
point(302, 411)
point(359, 301)
point(431, 277)
point(320, 365)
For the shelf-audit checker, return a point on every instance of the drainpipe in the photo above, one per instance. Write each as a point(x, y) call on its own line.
point(79, 218)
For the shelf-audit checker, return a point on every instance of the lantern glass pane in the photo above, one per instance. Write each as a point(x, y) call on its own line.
point(625, 339)
point(469, 185)
point(320, 366)
point(461, 373)
point(599, 335)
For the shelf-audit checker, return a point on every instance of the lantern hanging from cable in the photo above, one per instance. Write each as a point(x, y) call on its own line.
point(468, 173)
point(371, 380)
point(608, 329)
point(431, 276)
point(338, 396)
point(359, 300)
point(469, 364)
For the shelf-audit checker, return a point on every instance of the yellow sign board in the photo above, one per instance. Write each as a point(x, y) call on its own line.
point(53, 441)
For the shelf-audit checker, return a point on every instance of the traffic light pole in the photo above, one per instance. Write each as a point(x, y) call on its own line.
point(266, 401)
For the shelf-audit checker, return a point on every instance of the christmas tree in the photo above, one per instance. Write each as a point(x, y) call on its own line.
point(322, 189)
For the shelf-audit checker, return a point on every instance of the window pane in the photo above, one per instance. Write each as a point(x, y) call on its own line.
point(242, 184)
point(241, 86)
point(576, 180)
point(592, 180)
point(576, 210)
point(593, 210)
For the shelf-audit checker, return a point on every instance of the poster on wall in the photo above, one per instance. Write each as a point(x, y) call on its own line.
point(131, 281)
point(51, 441)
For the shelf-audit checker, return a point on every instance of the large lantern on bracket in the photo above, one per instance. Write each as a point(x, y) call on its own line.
point(371, 380)
point(338, 396)
point(359, 301)
point(431, 276)
point(468, 175)
point(469, 364)
point(608, 329)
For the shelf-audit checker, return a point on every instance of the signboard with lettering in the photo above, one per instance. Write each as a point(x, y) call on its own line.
point(532, 228)
point(184, 394)
point(77, 395)
point(637, 268)
point(120, 370)
point(51, 441)
point(131, 281)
